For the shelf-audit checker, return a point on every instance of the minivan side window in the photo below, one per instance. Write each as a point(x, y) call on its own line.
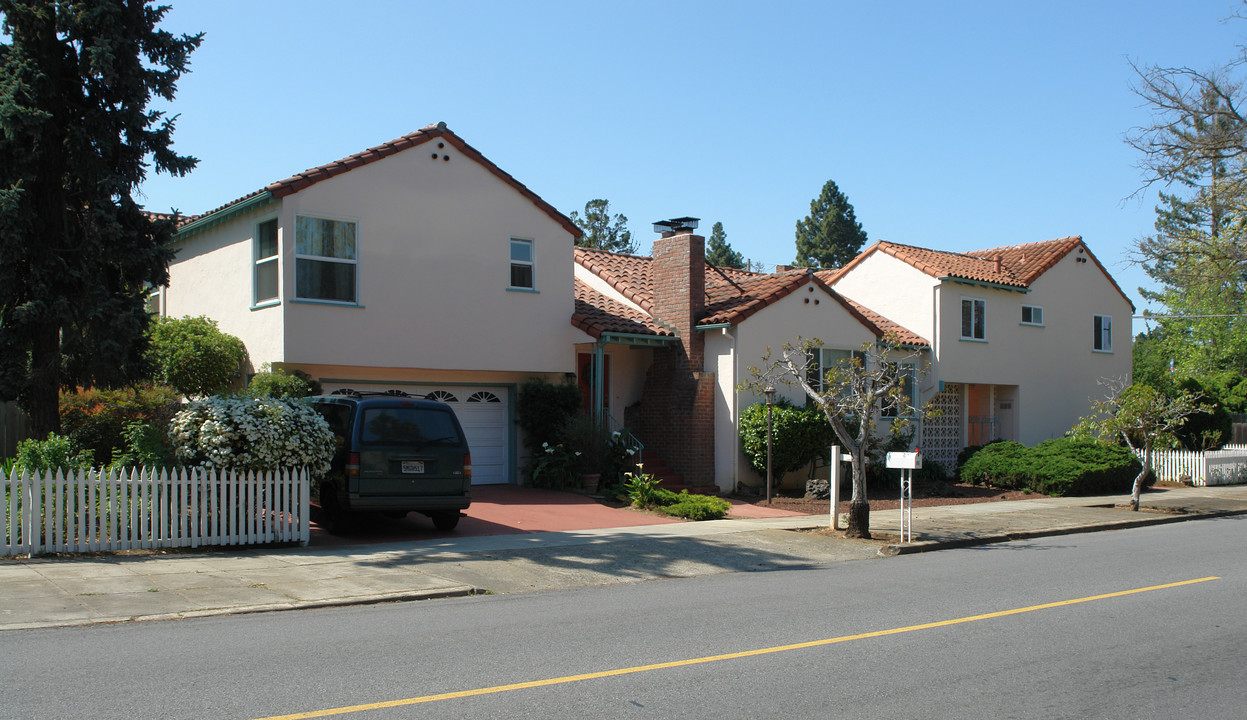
point(409, 426)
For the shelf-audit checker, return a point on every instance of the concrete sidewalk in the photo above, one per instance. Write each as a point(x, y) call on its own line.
point(60, 591)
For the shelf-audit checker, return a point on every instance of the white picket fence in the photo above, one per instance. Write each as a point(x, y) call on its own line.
point(1227, 466)
point(96, 510)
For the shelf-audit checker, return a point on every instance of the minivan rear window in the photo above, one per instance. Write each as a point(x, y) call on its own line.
point(409, 427)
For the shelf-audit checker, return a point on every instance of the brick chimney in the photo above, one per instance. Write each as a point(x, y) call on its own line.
point(680, 284)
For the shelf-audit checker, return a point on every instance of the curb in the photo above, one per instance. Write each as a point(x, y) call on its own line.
point(932, 545)
point(352, 601)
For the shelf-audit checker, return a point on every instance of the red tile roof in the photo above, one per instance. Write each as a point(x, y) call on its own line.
point(596, 314)
point(731, 297)
point(310, 177)
point(1010, 266)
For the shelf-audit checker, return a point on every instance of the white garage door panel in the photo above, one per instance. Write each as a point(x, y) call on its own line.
point(484, 423)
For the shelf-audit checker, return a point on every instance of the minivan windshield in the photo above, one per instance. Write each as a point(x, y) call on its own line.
point(409, 427)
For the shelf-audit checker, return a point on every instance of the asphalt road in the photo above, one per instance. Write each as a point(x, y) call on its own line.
point(1127, 624)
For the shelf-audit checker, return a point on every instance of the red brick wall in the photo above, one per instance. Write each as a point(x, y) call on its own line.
point(675, 417)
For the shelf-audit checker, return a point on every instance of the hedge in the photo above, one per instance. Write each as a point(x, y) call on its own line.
point(1063, 466)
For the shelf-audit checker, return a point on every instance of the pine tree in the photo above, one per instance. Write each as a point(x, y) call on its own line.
point(830, 236)
point(719, 252)
point(1196, 255)
point(76, 138)
point(601, 231)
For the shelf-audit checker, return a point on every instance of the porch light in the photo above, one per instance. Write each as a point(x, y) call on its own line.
point(769, 394)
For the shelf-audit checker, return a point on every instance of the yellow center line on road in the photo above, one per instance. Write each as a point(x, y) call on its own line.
point(716, 658)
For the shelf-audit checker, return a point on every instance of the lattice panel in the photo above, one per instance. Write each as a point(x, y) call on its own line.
point(942, 438)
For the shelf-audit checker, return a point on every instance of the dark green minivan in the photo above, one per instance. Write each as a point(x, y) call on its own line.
point(396, 453)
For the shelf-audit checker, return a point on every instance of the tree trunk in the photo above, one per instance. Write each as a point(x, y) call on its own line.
point(1138, 481)
point(42, 397)
point(859, 507)
point(859, 520)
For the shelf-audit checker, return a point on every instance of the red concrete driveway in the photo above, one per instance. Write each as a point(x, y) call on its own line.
point(509, 509)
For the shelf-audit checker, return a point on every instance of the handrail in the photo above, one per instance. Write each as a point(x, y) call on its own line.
point(630, 440)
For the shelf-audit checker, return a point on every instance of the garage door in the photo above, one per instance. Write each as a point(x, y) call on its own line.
point(482, 411)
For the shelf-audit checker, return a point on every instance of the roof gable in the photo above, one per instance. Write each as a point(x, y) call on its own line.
point(307, 178)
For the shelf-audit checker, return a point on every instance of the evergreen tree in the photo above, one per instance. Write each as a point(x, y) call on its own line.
point(719, 252)
point(601, 231)
point(76, 138)
point(1196, 256)
point(830, 236)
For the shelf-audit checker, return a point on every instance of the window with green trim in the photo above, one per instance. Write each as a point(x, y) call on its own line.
point(326, 259)
point(265, 274)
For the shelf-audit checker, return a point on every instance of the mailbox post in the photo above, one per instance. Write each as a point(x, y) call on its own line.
point(906, 462)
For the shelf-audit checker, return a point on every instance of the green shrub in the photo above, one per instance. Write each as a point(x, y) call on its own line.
point(1063, 466)
point(52, 453)
point(252, 434)
point(998, 464)
point(798, 435)
point(697, 507)
point(96, 420)
point(193, 356)
point(279, 383)
point(543, 410)
point(145, 447)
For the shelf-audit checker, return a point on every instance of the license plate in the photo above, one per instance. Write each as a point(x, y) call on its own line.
point(413, 466)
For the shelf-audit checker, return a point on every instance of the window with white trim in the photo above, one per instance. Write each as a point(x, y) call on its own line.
point(973, 319)
point(326, 259)
point(909, 383)
point(1032, 315)
point(522, 264)
point(264, 276)
point(1102, 328)
point(823, 359)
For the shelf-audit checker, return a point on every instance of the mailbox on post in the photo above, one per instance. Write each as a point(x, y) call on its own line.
point(907, 463)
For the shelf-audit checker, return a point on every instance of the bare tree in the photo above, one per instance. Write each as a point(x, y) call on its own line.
point(1142, 417)
point(853, 393)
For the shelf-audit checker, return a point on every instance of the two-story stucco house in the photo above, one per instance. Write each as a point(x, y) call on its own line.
point(1020, 336)
point(417, 265)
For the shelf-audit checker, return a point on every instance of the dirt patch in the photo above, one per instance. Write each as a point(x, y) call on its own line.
point(926, 496)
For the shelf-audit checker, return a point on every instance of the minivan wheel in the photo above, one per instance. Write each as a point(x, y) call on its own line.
point(336, 520)
point(445, 521)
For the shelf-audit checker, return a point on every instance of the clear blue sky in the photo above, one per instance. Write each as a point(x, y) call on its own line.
point(950, 125)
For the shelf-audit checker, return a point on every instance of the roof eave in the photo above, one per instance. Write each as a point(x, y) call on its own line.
point(983, 283)
point(223, 215)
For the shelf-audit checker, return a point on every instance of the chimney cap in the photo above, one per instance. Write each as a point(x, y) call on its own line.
point(676, 224)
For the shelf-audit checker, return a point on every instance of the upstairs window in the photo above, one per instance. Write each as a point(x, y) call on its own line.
point(326, 259)
point(154, 296)
point(1032, 315)
point(522, 264)
point(265, 273)
point(973, 319)
point(1102, 327)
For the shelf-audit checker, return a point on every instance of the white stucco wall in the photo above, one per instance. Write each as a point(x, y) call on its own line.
point(433, 242)
point(211, 275)
point(894, 289)
point(434, 253)
point(1060, 370)
point(784, 321)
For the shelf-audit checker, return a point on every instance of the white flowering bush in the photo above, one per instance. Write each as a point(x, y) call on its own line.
point(252, 433)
